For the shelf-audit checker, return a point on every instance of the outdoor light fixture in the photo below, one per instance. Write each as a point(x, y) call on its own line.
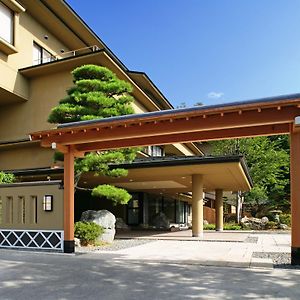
point(48, 203)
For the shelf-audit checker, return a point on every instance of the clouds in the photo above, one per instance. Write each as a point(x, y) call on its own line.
point(215, 95)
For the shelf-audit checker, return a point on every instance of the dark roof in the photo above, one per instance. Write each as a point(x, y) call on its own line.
point(168, 161)
point(151, 162)
point(183, 110)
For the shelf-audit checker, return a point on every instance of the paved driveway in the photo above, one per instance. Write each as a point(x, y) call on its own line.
point(93, 276)
point(162, 269)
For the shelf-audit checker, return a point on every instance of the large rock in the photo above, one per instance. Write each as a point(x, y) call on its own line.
point(283, 226)
point(105, 219)
point(254, 223)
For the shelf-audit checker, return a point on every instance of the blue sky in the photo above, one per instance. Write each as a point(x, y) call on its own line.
point(209, 51)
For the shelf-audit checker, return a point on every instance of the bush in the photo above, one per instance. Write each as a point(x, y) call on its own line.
point(6, 177)
point(285, 219)
point(87, 232)
point(227, 226)
point(209, 227)
point(232, 226)
point(271, 225)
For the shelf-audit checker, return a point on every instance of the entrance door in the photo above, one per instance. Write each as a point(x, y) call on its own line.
point(134, 210)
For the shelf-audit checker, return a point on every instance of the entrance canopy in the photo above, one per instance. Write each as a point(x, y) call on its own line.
point(171, 175)
point(269, 116)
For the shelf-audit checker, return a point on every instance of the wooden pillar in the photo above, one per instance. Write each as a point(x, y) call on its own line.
point(197, 205)
point(295, 196)
point(219, 210)
point(69, 245)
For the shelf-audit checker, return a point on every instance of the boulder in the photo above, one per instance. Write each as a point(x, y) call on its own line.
point(283, 226)
point(254, 223)
point(105, 219)
point(77, 242)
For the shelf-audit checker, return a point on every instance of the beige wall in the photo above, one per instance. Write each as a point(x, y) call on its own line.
point(25, 157)
point(40, 94)
point(31, 216)
point(27, 30)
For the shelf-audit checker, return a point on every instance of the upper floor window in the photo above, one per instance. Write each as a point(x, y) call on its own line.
point(155, 151)
point(7, 24)
point(41, 55)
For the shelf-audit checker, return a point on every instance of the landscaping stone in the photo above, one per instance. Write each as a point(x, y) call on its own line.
point(255, 223)
point(77, 242)
point(103, 218)
point(283, 226)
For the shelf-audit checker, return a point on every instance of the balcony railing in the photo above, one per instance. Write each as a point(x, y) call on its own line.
point(49, 58)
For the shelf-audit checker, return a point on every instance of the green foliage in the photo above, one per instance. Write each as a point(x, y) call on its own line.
point(285, 219)
point(6, 177)
point(117, 195)
point(232, 226)
point(271, 225)
point(268, 162)
point(226, 226)
point(209, 226)
point(98, 93)
point(87, 232)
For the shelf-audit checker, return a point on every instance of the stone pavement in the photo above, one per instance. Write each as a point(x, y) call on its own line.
point(115, 276)
point(233, 249)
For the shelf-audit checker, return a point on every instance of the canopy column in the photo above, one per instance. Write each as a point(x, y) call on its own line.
point(197, 205)
point(219, 210)
point(69, 245)
point(295, 196)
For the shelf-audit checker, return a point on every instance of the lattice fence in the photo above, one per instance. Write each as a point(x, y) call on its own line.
point(32, 239)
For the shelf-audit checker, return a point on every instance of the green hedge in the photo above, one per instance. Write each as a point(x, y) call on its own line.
point(87, 232)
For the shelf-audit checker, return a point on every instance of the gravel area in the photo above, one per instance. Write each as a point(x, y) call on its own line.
point(280, 259)
point(116, 245)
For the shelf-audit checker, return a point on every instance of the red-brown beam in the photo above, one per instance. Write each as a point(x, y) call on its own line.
point(187, 137)
point(269, 116)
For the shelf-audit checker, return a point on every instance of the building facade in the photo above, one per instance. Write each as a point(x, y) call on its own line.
point(41, 42)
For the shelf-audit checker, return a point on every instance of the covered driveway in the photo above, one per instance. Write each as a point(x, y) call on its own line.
point(270, 116)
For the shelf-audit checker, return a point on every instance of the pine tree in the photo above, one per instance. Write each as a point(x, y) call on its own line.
point(98, 93)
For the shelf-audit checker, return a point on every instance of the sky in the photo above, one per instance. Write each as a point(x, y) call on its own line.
point(209, 51)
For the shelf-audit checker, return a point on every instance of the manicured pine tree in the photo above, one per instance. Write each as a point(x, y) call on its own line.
point(98, 93)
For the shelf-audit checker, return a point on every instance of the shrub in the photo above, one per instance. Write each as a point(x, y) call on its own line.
point(6, 177)
point(232, 226)
point(271, 225)
point(227, 226)
point(209, 227)
point(87, 232)
point(285, 219)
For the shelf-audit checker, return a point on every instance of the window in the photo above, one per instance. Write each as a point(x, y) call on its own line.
point(41, 55)
point(155, 151)
point(7, 24)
